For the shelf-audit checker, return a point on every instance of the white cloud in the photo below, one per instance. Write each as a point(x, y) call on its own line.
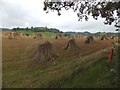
point(0, 26)
point(26, 13)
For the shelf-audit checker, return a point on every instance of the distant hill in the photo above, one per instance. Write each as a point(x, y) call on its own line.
point(54, 30)
point(86, 33)
point(78, 33)
point(5, 29)
point(38, 29)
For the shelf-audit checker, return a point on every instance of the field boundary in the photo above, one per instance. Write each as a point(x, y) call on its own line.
point(93, 55)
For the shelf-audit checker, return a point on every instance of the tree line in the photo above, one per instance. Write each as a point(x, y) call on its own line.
point(86, 33)
point(38, 29)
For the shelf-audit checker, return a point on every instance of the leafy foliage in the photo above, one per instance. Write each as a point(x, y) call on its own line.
point(37, 29)
point(105, 9)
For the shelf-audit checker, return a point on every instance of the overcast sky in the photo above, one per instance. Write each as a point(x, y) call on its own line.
point(27, 13)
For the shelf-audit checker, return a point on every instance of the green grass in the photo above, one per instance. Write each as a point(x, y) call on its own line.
point(90, 75)
point(48, 34)
point(25, 32)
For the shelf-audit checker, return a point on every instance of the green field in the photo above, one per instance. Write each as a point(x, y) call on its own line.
point(48, 34)
point(25, 32)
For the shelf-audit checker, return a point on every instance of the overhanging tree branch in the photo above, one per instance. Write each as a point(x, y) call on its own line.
point(85, 8)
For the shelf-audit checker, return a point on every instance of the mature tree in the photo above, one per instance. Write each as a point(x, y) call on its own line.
point(108, 9)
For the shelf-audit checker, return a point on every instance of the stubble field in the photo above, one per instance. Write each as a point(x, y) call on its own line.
point(19, 70)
